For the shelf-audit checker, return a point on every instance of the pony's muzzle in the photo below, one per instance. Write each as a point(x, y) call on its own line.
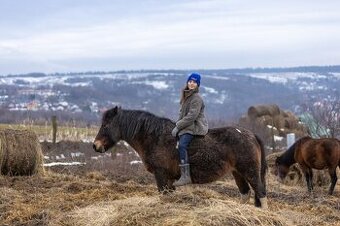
point(98, 147)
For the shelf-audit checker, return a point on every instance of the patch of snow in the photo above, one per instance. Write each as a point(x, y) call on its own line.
point(278, 138)
point(135, 162)
point(336, 75)
point(285, 77)
point(216, 77)
point(210, 90)
point(161, 85)
point(271, 127)
point(76, 154)
point(64, 164)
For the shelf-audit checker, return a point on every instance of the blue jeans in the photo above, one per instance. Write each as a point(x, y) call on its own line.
point(184, 141)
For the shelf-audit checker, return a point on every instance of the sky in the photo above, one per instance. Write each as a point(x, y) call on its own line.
point(106, 35)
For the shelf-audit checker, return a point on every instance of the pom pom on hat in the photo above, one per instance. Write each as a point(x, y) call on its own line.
point(195, 77)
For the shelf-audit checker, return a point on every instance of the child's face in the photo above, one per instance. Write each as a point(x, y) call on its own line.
point(192, 84)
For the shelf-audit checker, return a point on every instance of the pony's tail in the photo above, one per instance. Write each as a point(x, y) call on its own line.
point(264, 166)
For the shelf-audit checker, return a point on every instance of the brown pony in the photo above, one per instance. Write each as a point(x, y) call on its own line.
point(211, 157)
point(311, 153)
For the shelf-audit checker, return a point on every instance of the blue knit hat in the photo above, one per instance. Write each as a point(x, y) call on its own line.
point(195, 77)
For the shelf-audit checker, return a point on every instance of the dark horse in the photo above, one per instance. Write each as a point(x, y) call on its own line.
point(212, 156)
point(311, 153)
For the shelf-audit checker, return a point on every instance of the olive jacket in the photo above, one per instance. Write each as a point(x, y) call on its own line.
point(191, 117)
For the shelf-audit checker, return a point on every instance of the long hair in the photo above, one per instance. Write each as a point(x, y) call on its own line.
point(186, 92)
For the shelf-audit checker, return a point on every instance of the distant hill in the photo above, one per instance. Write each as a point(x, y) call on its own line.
point(228, 93)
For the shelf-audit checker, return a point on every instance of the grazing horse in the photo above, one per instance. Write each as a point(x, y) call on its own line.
point(211, 157)
point(311, 153)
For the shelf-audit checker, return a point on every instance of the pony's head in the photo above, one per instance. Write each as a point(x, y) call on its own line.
point(281, 169)
point(109, 133)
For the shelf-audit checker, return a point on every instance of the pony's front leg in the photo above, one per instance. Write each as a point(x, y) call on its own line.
point(164, 184)
point(309, 178)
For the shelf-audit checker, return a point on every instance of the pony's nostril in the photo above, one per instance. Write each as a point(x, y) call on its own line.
point(94, 147)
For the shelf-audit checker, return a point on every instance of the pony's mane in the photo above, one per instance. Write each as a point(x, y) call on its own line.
point(288, 156)
point(132, 122)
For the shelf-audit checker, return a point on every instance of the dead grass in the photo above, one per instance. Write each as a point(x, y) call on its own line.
point(65, 132)
point(97, 198)
point(59, 199)
point(172, 211)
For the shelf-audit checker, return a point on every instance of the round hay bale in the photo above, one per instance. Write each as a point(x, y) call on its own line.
point(20, 153)
point(291, 121)
point(294, 176)
point(279, 121)
point(261, 110)
point(284, 113)
point(265, 120)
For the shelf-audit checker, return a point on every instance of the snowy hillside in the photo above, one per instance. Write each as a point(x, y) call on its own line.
point(227, 94)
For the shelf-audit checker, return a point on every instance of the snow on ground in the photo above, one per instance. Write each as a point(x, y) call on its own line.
point(161, 85)
point(278, 138)
point(33, 81)
point(135, 162)
point(64, 164)
point(284, 77)
point(210, 90)
point(216, 77)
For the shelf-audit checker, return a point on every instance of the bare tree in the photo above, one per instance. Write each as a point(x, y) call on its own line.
point(327, 115)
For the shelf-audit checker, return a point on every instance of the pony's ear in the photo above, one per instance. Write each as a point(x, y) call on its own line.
point(110, 113)
point(116, 109)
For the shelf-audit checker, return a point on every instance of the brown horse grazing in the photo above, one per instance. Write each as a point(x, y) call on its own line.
point(311, 153)
point(212, 156)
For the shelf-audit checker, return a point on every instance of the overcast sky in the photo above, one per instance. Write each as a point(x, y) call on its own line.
point(81, 35)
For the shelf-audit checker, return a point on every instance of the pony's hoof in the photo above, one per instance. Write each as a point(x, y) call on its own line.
point(245, 198)
point(264, 203)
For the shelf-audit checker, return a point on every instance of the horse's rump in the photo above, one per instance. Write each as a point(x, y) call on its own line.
point(207, 160)
point(318, 153)
point(220, 151)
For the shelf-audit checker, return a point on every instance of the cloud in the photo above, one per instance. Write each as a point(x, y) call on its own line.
point(200, 33)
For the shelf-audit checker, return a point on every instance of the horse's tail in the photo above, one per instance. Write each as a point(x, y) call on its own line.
point(264, 166)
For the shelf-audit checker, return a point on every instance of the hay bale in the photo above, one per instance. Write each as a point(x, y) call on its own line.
point(279, 121)
point(291, 121)
point(261, 110)
point(20, 153)
point(265, 120)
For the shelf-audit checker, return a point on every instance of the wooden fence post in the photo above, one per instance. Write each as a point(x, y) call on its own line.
point(54, 127)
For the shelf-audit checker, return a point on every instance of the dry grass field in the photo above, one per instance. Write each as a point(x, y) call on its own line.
point(65, 132)
point(115, 190)
point(61, 199)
